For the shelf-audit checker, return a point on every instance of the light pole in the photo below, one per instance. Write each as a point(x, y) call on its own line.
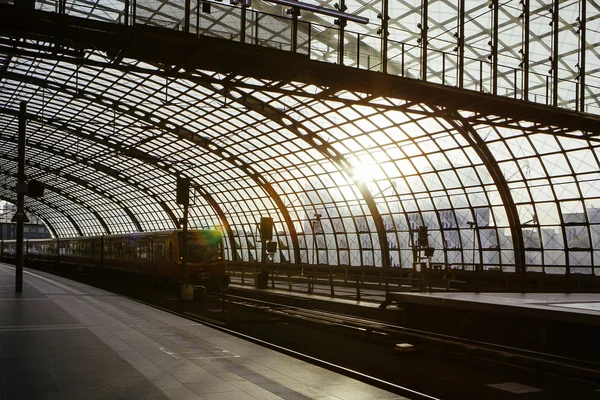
point(314, 225)
point(473, 227)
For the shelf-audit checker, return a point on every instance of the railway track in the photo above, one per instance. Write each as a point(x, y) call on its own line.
point(371, 327)
point(366, 378)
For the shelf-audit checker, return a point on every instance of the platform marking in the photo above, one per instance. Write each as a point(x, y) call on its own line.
point(13, 328)
point(515, 388)
point(172, 354)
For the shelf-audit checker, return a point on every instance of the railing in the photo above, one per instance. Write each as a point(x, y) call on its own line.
point(322, 43)
point(373, 283)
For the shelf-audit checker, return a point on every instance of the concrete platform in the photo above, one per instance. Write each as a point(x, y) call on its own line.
point(65, 340)
point(574, 307)
point(561, 324)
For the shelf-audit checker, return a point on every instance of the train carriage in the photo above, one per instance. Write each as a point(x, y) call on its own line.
point(150, 253)
point(42, 250)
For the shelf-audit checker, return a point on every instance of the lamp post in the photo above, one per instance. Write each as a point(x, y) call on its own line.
point(473, 227)
point(315, 224)
point(315, 260)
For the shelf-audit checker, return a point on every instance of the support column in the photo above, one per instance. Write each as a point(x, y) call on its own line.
point(525, 50)
point(582, 49)
point(555, 22)
point(183, 197)
point(20, 218)
point(424, 27)
point(384, 35)
point(126, 13)
point(242, 22)
point(461, 44)
point(495, 47)
point(295, 14)
point(187, 15)
point(342, 24)
point(184, 243)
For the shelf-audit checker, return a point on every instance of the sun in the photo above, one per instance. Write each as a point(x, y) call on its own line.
point(366, 170)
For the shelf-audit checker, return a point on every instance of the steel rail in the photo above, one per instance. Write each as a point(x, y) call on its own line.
point(582, 365)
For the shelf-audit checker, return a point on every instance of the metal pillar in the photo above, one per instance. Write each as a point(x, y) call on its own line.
point(582, 48)
point(384, 35)
point(342, 24)
point(187, 15)
point(20, 218)
point(495, 47)
point(525, 64)
point(295, 13)
point(133, 11)
point(184, 244)
point(423, 26)
point(555, 32)
point(126, 13)
point(242, 22)
point(461, 44)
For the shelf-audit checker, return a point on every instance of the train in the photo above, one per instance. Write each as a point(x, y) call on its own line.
point(157, 254)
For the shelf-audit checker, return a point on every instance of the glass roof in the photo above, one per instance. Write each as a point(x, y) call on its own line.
point(348, 178)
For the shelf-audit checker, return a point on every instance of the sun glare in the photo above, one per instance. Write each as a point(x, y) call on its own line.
point(366, 170)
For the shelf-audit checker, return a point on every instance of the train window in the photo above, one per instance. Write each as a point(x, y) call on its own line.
point(160, 250)
point(170, 251)
point(143, 250)
point(119, 249)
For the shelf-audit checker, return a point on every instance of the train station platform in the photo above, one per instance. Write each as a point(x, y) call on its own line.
point(65, 340)
point(557, 323)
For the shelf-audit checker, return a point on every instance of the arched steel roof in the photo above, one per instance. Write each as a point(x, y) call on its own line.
point(109, 135)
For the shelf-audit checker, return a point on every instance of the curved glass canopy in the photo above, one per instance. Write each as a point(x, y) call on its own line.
point(348, 178)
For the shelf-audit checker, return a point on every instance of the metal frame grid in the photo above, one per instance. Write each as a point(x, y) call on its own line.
point(537, 50)
point(346, 176)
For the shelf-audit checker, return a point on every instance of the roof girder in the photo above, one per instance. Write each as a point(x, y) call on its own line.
point(48, 206)
point(61, 192)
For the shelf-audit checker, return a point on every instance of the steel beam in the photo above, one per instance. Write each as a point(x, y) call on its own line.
point(114, 174)
point(158, 123)
point(424, 37)
point(525, 65)
point(322, 10)
point(142, 157)
point(346, 78)
point(555, 53)
point(126, 13)
point(460, 44)
point(582, 53)
point(341, 23)
point(324, 148)
point(385, 18)
point(46, 221)
point(187, 15)
point(62, 193)
point(495, 11)
point(485, 154)
point(75, 224)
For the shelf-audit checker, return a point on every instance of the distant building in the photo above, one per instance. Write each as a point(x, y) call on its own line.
point(35, 229)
